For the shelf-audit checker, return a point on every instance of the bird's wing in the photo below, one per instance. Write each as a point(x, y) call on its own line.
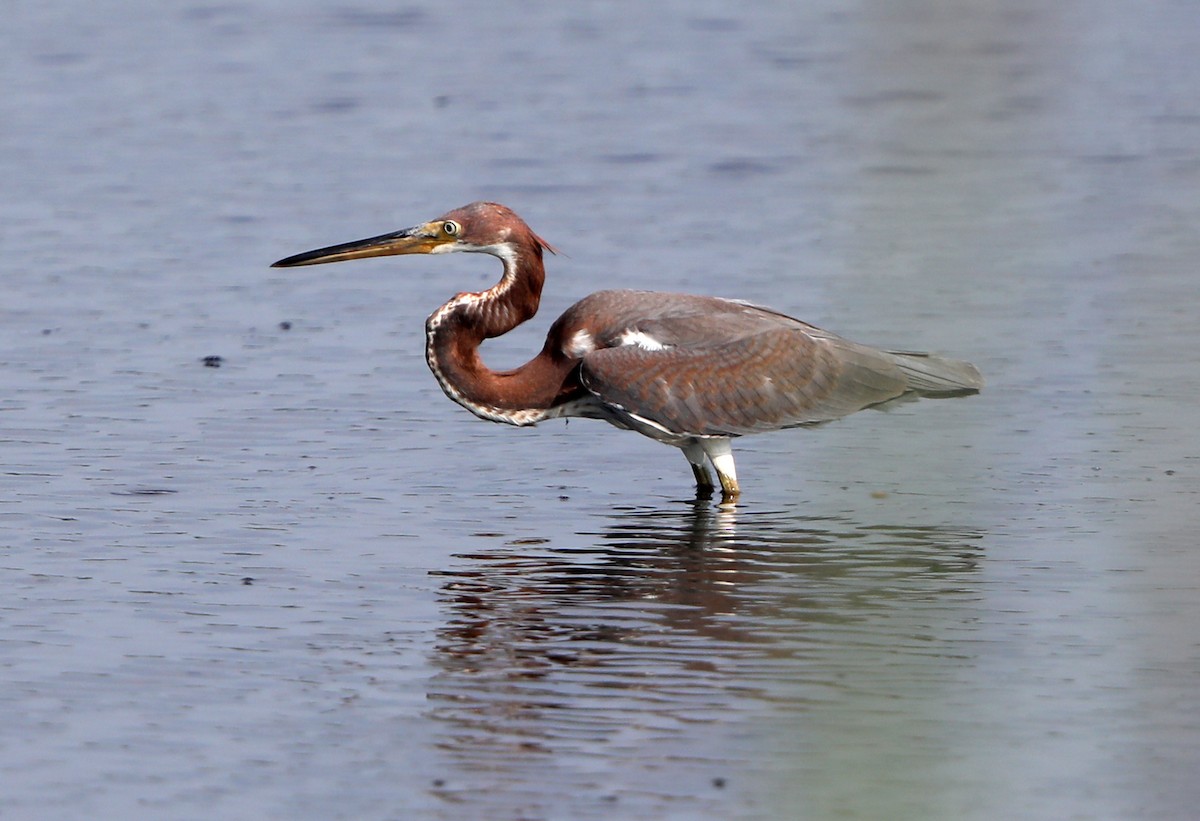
point(737, 371)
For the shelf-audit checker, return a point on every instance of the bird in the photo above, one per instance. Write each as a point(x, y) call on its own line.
point(690, 371)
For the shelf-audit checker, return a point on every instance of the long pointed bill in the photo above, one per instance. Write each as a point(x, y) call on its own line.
point(422, 239)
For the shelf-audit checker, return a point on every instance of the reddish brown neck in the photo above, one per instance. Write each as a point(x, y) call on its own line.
point(455, 331)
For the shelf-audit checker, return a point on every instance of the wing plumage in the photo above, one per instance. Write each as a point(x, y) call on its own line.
point(704, 366)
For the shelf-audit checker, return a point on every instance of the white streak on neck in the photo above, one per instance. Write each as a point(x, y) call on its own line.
point(469, 302)
point(506, 251)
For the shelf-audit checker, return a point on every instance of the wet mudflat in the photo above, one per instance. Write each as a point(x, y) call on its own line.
point(294, 581)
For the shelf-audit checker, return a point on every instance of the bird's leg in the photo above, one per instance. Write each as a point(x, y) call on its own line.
point(720, 453)
point(695, 455)
point(704, 480)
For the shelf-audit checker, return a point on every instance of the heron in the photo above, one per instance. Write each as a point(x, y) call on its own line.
point(690, 371)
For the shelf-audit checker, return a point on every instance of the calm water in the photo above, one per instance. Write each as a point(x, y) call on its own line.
point(304, 585)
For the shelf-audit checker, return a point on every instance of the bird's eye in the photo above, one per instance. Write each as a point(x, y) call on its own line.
point(451, 228)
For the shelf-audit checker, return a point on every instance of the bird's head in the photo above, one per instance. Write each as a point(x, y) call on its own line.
point(481, 227)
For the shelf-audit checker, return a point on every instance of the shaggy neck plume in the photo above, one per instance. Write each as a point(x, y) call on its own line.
point(455, 331)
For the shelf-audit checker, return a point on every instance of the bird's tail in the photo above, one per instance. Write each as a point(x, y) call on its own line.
point(935, 377)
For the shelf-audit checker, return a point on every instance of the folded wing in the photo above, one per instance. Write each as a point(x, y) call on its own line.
point(713, 367)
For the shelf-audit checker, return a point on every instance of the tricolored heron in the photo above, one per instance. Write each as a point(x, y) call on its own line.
point(690, 371)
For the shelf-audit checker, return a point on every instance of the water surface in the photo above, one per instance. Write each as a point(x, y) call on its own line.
point(302, 584)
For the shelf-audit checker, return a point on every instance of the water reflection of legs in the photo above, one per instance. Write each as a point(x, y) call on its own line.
point(657, 636)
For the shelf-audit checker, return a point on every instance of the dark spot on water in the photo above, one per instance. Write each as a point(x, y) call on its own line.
point(336, 104)
point(741, 167)
point(1111, 159)
point(247, 580)
point(897, 169)
point(903, 96)
point(714, 24)
point(362, 18)
point(633, 158)
point(441, 101)
point(145, 491)
point(285, 326)
point(213, 361)
point(518, 162)
point(60, 58)
point(439, 782)
point(667, 90)
point(719, 783)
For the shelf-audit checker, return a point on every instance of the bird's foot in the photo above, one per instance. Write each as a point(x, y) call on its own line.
point(729, 491)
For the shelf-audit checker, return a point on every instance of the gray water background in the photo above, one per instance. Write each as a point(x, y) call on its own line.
point(304, 585)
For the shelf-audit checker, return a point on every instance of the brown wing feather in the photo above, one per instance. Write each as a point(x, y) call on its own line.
point(773, 379)
point(727, 368)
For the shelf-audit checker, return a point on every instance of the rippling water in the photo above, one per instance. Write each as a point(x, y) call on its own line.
point(256, 565)
point(673, 622)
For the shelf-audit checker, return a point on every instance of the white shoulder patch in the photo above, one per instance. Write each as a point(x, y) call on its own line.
point(579, 345)
point(641, 340)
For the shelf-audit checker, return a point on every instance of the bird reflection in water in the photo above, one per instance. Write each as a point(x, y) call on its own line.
point(687, 569)
point(671, 617)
